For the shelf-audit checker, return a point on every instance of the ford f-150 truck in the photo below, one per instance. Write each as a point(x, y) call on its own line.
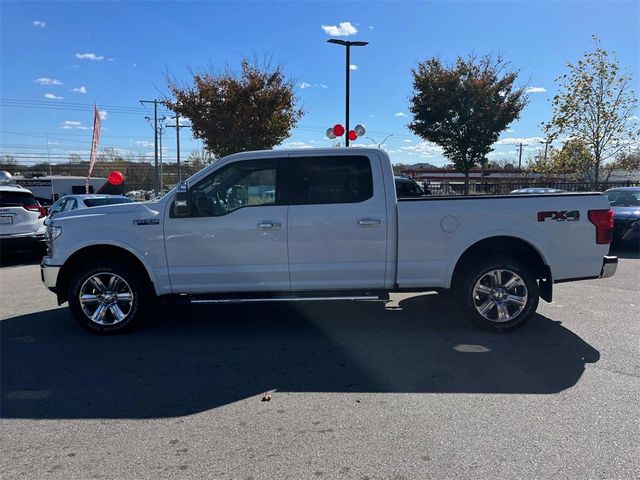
point(322, 224)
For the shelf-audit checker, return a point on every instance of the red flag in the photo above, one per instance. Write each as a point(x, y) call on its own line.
point(94, 143)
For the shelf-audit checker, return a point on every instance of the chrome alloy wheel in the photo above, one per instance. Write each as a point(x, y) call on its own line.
point(105, 298)
point(500, 295)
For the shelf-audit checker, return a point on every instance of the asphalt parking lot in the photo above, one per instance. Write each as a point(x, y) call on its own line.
point(363, 391)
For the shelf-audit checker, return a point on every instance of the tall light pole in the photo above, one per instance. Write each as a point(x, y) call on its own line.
point(382, 142)
point(348, 45)
point(546, 146)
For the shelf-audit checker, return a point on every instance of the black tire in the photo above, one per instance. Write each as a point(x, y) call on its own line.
point(517, 314)
point(134, 310)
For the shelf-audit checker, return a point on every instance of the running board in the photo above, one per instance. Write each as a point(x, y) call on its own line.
point(271, 297)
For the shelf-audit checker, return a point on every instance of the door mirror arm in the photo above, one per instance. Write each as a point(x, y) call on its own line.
point(182, 202)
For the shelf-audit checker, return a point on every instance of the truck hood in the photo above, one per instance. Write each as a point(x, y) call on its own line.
point(141, 209)
point(623, 213)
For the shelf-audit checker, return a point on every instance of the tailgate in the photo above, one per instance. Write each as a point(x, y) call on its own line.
point(18, 220)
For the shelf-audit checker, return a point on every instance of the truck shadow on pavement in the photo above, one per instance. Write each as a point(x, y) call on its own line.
point(192, 359)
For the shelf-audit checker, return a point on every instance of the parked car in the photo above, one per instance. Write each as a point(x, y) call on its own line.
point(625, 203)
point(537, 190)
point(74, 202)
point(407, 187)
point(334, 229)
point(21, 219)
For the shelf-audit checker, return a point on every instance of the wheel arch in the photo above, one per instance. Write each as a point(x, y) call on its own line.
point(92, 252)
point(509, 245)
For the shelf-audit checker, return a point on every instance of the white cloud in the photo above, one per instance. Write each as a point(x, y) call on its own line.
point(39, 23)
point(143, 143)
point(322, 85)
point(353, 67)
point(134, 64)
point(81, 89)
point(304, 85)
point(634, 118)
point(111, 59)
point(70, 124)
point(407, 141)
point(89, 56)
point(103, 114)
point(47, 81)
point(423, 149)
point(517, 141)
point(370, 27)
point(52, 96)
point(343, 29)
point(535, 90)
point(399, 114)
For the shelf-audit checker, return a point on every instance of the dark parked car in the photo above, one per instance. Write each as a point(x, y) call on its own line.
point(407, 187)
point(625, 203)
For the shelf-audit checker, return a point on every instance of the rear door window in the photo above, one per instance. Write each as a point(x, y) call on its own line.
point(331, 179)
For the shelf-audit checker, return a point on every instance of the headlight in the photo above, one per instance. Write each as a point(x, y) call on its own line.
point(54, 232)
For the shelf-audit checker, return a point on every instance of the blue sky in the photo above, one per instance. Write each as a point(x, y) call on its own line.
point(56, 55)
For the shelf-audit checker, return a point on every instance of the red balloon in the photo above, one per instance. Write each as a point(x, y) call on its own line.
point(352, 135)
point(115, 177)
point(338, 130)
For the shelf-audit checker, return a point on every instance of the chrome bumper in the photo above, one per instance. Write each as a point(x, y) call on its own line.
point(49, 274)
point(609, 266)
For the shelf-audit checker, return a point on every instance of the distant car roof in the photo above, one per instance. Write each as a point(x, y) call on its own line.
point(624, 189)
point(538, 190)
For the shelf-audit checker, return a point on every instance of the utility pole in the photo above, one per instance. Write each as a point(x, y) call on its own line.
point(177, 126)
point(160, 133)
point(520, 156)
point(155, 138)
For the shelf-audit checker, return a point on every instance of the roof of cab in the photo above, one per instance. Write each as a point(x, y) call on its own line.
point(13, 188)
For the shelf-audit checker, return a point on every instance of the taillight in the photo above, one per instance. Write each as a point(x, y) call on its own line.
point(36, 208)
point(603, 220)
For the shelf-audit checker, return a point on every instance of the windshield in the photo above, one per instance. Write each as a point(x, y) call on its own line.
point(624, 198)
point(17, 199)
point(98, 202)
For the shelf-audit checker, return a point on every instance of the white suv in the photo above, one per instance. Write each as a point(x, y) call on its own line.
point(21, 219)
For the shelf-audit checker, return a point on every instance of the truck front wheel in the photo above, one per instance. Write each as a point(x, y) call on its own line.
point(108, 297)
point(498, 293)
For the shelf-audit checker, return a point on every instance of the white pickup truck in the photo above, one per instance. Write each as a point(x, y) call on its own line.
point(322, 224)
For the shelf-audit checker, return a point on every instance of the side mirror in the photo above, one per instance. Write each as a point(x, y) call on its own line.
point(182, 202)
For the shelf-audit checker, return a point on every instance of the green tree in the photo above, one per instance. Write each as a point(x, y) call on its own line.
point(463, 108)
point(574, 160)
point(595, 103)
point(253, 110)
point(627, 161)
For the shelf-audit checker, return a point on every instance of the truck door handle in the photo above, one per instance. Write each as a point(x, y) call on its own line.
point(369, 222)
point(269, 225)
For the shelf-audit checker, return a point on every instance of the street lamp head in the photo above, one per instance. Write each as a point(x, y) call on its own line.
point(347, 43)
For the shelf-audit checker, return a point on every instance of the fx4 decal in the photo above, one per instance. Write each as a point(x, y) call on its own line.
point(561, 216)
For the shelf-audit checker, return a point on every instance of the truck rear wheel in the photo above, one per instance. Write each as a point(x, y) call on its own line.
point(108, 297)
point(498, 293)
